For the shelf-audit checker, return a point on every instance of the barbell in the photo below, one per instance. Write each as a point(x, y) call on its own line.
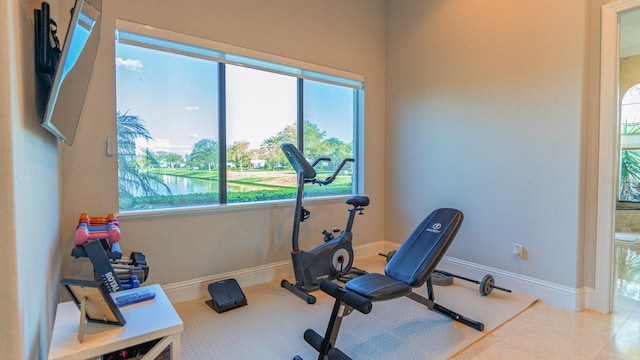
point(486, 285)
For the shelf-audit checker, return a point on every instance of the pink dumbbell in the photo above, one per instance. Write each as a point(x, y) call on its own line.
point(83, 235)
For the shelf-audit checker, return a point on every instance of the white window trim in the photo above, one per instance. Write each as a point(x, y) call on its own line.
point(225, 53)
point(232, 54)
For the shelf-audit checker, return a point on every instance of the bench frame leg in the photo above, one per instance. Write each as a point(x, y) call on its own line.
point(432, 305)
point(325, 345)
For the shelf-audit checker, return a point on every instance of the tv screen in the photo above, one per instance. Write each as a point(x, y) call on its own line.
point(73, 71)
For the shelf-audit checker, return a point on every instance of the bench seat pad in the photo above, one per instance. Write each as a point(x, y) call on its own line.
point(378, 287)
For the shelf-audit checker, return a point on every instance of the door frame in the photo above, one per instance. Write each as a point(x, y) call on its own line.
point(608, 148)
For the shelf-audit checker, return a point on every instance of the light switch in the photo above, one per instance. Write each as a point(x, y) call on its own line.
point(111, 143)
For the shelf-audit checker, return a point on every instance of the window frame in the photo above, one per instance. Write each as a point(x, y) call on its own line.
point(139, 35)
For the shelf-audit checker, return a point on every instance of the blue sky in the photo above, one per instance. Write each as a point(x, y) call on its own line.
point(176, 95)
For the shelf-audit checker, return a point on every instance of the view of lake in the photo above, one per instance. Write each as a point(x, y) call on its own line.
point(180, 185)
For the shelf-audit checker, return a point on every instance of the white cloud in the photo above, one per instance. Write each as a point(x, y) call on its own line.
point(192, 135)
point(129, 64)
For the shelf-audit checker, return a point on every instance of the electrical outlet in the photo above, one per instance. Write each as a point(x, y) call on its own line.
point(518, 250)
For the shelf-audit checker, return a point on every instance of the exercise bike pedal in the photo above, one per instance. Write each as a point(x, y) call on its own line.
point(328, 236)
point(351, 274)
point(304, 214)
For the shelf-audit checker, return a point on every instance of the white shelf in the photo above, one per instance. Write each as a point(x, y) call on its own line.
point(146, 321)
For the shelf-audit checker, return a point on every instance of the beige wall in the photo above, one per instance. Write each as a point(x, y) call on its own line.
point(490, 107)
point(29, 195)
point(346, 35)
point(485, 113)
point(10, 300)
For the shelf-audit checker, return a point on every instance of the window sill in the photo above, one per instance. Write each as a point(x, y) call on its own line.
point(627, 205)
point(213, 209)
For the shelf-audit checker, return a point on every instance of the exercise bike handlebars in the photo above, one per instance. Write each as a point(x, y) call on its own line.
point(306, 170)
point(320, 159)
point(330, 179)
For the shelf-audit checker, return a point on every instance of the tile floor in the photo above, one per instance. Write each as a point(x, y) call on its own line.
point(547, 332)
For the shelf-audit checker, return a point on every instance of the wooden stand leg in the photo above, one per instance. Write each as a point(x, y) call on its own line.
point(83, 319)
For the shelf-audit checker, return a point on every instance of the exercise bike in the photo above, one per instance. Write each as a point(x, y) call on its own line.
point(333, 259)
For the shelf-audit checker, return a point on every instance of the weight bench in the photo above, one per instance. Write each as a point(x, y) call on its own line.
point(409, 268)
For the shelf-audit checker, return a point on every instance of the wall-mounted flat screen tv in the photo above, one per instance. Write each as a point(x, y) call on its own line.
point(73, 70)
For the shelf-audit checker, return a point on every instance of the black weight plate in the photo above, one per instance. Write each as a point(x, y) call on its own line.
point(486, 285)
point(390, 254)
point(441, 279)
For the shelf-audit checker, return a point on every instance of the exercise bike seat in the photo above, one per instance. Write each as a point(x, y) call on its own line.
point(414, 261)
point(358, 200)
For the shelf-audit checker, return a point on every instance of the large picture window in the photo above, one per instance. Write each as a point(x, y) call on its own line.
point(200, 125)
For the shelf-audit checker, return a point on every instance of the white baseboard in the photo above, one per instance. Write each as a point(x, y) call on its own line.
point(554, 294)
point(591, 301)
point(197, 288)
point(558, 295)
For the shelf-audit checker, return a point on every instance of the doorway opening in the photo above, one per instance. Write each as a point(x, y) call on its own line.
point(627, 214)
point(608, 269)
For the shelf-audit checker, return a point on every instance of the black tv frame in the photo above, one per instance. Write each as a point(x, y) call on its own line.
point(47, 47)
point(66, 72)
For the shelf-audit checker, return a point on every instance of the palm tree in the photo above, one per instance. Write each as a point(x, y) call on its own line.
point(131, 181)
point(629, 167)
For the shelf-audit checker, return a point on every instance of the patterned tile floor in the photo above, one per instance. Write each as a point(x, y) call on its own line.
point(548, 332)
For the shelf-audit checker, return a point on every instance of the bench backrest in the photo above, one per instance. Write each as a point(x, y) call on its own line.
point(419, 255)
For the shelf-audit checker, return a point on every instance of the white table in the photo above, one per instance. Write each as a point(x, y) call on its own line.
point(146, 321)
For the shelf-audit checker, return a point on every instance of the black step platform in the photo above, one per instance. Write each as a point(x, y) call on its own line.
point(225, 295)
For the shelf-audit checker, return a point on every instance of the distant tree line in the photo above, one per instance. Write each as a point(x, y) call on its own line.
point(134, 178)
point(205, 153)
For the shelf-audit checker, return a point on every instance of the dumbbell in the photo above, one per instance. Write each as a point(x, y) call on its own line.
point(130, 283)
point(136, 258)
point(84, 233)
point(141, 271)
point(84, 218)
